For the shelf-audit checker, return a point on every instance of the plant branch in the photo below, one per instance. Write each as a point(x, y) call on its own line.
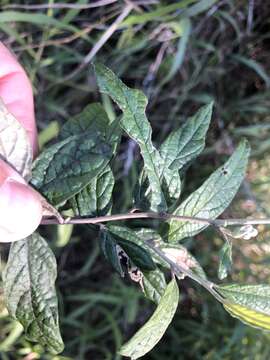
point(60, 5)
point(96, 4)
point(179, 270)
point(159, 216)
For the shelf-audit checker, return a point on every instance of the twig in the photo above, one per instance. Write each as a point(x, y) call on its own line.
point(179, 270)
point(96, 4)
point(159, 216)
point(250, 16)
point(60, 41)
point(60, 5)
point(107, 34)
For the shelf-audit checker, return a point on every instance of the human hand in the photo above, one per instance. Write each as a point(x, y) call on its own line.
point(20, 205)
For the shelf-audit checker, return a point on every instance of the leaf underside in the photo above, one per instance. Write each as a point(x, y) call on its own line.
point(154, 285)
point(150, 334)
point(29, 291)
point(225, 260)
point(15, 146)
point(248, 303)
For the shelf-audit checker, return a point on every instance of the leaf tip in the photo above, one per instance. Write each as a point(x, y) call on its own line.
point(244, 147)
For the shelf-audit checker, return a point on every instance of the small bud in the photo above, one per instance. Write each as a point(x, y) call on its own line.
point(245, 232)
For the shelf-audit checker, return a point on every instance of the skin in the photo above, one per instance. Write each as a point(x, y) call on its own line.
point(17, 94)
point(20, 205)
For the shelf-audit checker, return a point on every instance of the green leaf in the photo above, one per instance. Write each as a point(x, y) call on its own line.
point(150, 334)
point(15, 146)
point(225, 260)
point(164, 12)
point(154, 285)
point(64, 169)
point(96, 198)
point(110, 250)
point(199, 7)
point(137, 238)
point(248, 303)
point(158, 14)
point(213, 197)
point(171, 187)
point(187, 142)
point(172, 251)
point(139, 256)
point(92, 118)
point(39, 19)
point(29, 291)
point(253, 65)
point(180, 147)
point(134, 122)
point(48, 133)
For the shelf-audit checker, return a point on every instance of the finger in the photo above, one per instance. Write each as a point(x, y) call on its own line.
point(18, 220)
point(16, 92)
point(20, 205)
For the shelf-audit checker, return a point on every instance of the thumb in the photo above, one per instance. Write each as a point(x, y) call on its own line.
point(16, 92)
point(20, 206)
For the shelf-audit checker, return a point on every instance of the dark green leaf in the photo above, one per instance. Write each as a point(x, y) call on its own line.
point(170, 183)
point(96, 198)
point(150, 334)
point(174, 251)
point(133, 104)
point(213, 197)
point(139, 256)
point(29, 290)
point(64, 169)
point(137, 238)
point(93, 118)
point(154, 284)
point(225, 260)
point(186, 143)
point(110, 250)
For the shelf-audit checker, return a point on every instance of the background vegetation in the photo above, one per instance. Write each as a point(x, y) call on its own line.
point(182, 54)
